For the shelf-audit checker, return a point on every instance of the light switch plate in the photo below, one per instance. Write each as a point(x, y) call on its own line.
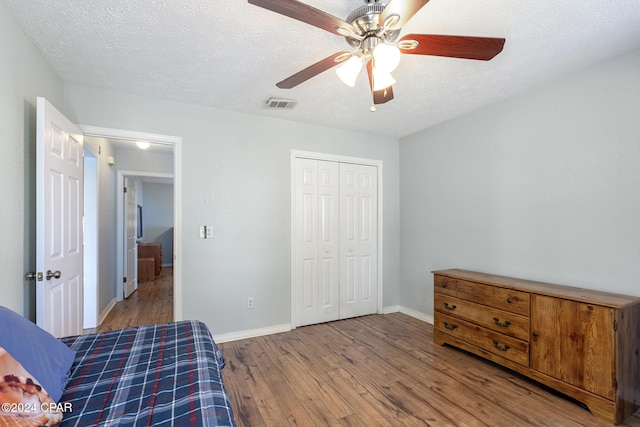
point(206, 231)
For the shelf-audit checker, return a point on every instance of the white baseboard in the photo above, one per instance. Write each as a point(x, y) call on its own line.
point(251, 333)
point(286, 327)
point(106, 311)
point(409, 312)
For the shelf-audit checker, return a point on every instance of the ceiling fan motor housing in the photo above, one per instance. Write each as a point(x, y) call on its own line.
point(367, 20)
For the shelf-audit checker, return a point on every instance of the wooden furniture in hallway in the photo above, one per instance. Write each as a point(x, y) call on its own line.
point(151, 250)
point(146, 268)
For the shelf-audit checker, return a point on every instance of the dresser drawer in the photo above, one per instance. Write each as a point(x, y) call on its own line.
point(505, 346)
point(501, 321)
point(494, 296)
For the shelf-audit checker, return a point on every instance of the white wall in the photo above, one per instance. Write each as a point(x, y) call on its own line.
point(236, 171)
point(107, 176)
point(144, 161)
point(24, 75)
point(543, 186)
point(158, 218)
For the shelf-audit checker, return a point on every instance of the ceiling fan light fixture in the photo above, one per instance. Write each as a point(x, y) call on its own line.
point(386, 56)
point(349, 70)
point(382, 79)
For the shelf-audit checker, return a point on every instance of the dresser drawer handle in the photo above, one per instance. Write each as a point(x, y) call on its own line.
point(509, 300)
point(450, 307)
point(502, 325)
point(496, 344)
point(450, 327)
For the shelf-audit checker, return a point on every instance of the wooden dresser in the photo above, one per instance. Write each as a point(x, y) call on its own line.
point(583, 343)
point(151, 250)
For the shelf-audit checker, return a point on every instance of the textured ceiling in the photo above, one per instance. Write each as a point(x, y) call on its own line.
point(229, 54)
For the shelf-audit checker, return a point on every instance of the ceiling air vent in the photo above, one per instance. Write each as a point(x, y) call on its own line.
point(281, 103)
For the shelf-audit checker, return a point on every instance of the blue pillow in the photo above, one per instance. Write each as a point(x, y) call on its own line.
point(39, 352)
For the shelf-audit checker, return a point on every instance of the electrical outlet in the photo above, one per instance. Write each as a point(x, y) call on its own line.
point(249, 302)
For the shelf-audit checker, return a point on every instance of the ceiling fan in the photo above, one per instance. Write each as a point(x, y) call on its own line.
point(372, 31)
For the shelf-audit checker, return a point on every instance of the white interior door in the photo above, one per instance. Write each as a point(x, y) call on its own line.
point(59, 233)
point(131, 257)
point(358, 240)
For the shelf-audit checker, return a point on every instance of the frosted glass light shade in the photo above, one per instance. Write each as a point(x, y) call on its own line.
point(382, 79)
point(143, 144)
point(348, 71)
point(387, 56)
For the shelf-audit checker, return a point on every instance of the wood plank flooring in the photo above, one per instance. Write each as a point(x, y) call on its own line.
point(379, 370)
point(152, 303)
point(382, 370)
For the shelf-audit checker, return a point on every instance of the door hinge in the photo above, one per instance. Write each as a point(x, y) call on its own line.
point(125, 189)
point(124, 280)
point(615, 384)
point(615, 325)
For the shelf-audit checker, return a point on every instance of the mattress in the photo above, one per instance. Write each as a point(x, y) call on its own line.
point(160, 375)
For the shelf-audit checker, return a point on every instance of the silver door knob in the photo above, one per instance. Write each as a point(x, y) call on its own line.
point(55, 275)
point(32, 275)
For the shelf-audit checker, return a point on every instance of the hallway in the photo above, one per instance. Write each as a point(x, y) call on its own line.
point(152, 303)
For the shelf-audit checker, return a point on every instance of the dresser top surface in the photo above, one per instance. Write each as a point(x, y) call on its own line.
point(542, 288)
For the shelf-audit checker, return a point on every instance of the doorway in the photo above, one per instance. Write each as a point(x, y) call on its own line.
point(114, 289)
point(131, 184)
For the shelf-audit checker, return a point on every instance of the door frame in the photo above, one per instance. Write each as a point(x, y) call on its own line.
point(91, 234)
point(296, 154)
point(120, 222)
point(176, 141)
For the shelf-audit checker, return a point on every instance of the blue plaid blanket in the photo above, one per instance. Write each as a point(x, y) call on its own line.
point(161, 375)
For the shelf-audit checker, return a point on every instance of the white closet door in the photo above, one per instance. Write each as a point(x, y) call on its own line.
point(316, 272)
point(358, 240)
point(329, 241)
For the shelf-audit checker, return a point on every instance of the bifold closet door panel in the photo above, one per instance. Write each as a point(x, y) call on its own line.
point(316, 241)
point(358, 240)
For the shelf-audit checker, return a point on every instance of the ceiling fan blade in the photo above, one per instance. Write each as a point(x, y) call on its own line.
point(310, 71)
point(305, 13)
point(379, 96)
point(383, 95)
point(482, 48)
point(405, 9)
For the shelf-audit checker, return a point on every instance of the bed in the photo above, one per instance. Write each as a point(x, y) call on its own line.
point(161, 375)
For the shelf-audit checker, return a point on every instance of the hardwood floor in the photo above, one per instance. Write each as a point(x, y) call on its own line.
point(152, 303)
point(382, 370)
